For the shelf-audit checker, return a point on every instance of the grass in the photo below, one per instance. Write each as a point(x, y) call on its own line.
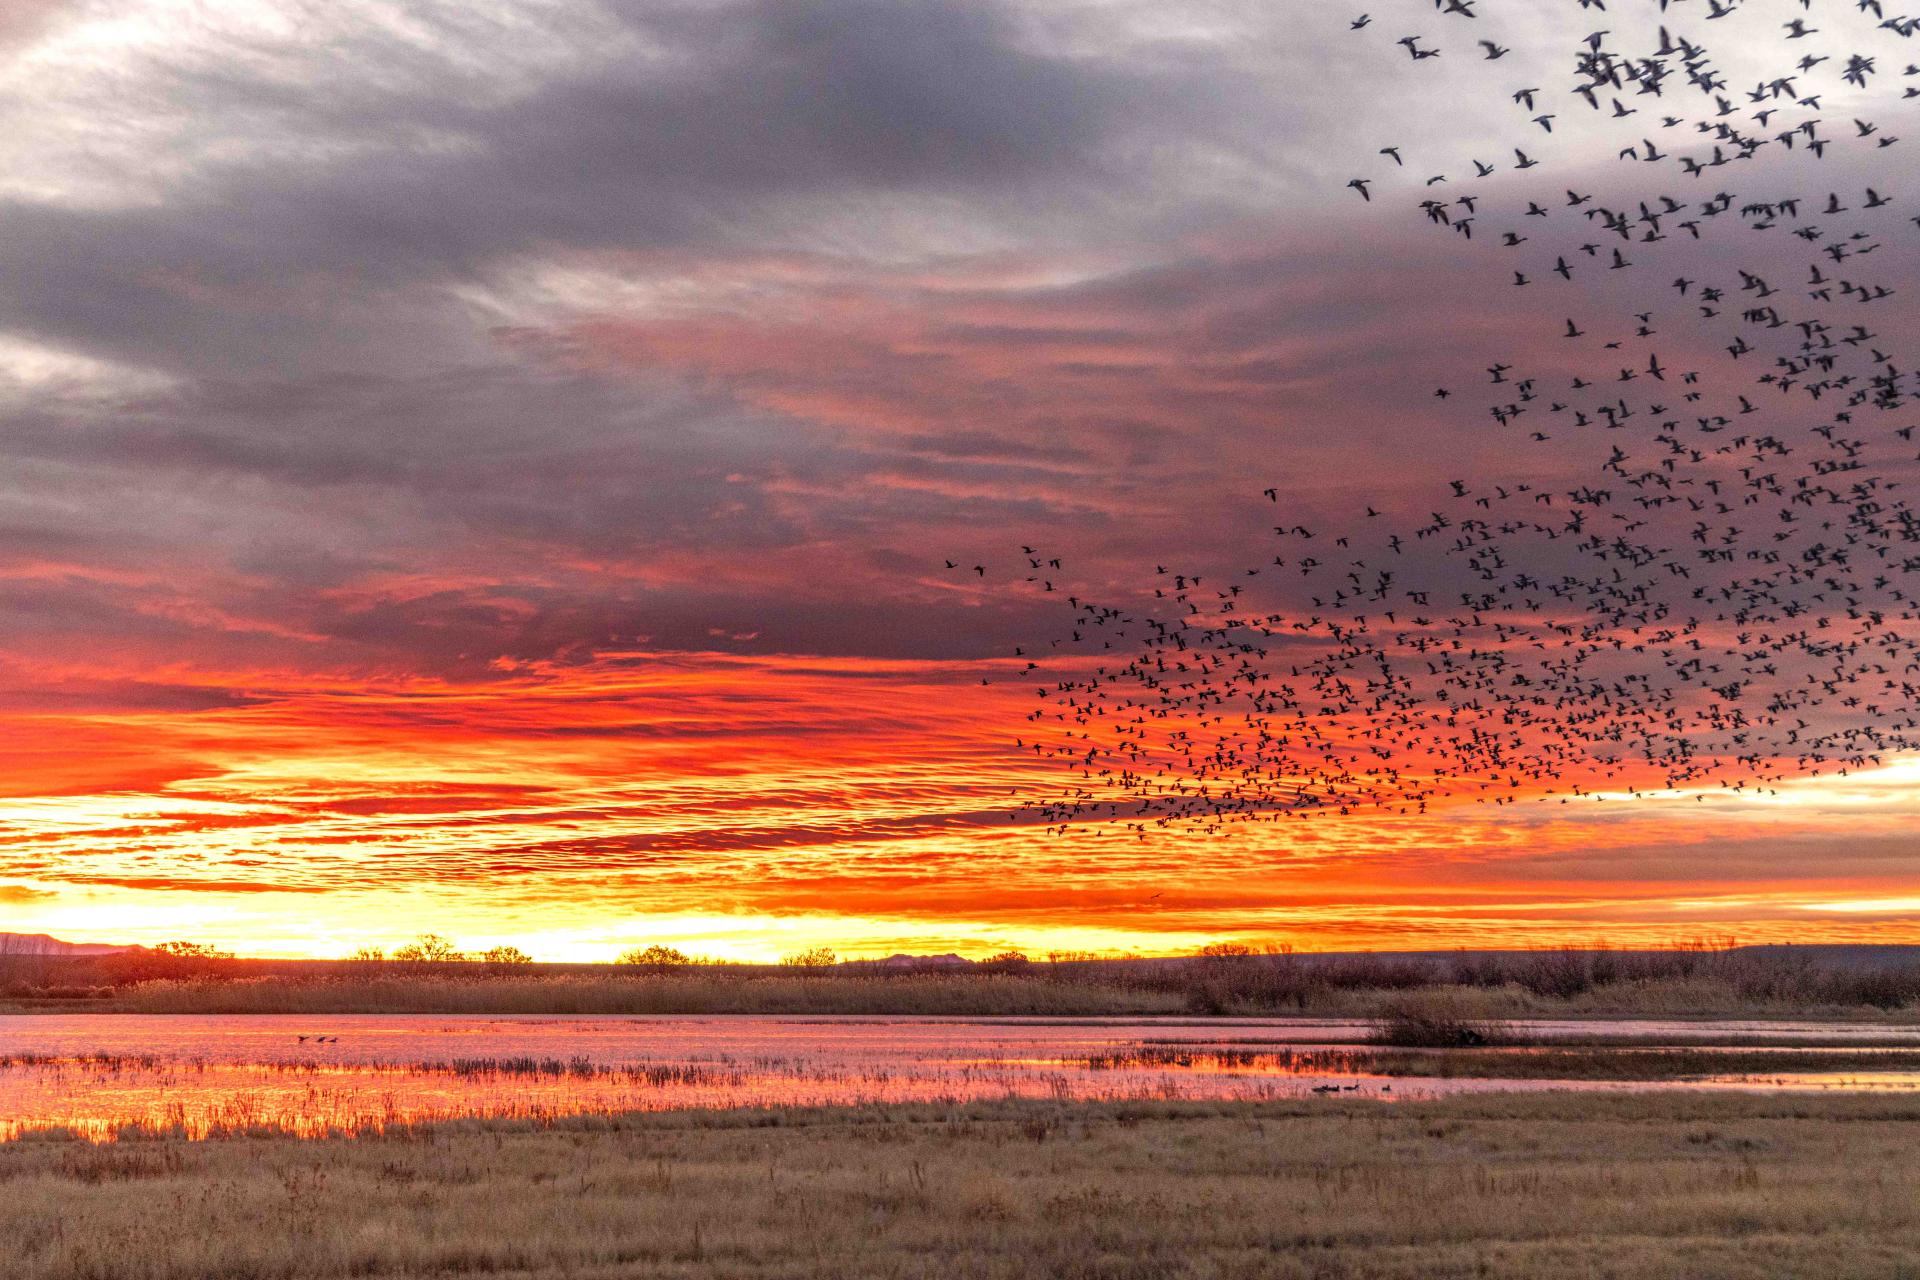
point(1632, 1186)
point(1439, 1019)
point(1554, 1063)
point(1480, 988)
point(982, 995)
point(1640, 1064)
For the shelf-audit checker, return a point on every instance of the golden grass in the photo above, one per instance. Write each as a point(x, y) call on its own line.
point(1640, 1063)
point(1643, 1064)
point(1479, 986)
point(974, 995)
point(1626, 1186)
point(924, 995)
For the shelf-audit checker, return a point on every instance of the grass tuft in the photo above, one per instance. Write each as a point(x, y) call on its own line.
point(1436, 1020)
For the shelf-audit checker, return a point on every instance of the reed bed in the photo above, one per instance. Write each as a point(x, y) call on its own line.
point(117, 1098)
point(984, 995)
point(1541, 1063)
point(654, 1074)
point(1702, 982)
point(82, 1097)
point(1633, 1187)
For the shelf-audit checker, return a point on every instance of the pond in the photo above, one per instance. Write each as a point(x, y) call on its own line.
point(123, 1075)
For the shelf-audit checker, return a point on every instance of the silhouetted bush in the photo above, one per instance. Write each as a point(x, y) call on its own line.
point(429, 948)
point(504, 960)
point(655, 958)
point(1435, 1020)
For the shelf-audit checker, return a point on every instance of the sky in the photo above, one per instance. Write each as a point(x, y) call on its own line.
point(489, 466)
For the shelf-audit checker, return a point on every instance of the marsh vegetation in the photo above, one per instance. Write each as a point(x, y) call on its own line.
point(1629, 1186)
point(117, 1077)
point(1476, 988)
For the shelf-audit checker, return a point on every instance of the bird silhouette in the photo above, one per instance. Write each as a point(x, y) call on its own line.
point(1717, 590)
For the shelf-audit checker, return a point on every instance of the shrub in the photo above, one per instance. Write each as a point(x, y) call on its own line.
point(191, 951)
point(1559, 974)
point(429, 948)
point(656, 957)
point(168, 961)
point(1435, 1020)
point(505, 959)
point(1883, 988)
point(1231, 977)
point(811, 958)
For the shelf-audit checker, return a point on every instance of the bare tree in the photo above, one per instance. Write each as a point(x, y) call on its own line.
point(504, 959)
point(429, 948)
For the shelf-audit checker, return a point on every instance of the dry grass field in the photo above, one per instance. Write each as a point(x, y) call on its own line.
point(1624, 1186)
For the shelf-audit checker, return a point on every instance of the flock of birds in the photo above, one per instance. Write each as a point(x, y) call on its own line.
point(1723, 595)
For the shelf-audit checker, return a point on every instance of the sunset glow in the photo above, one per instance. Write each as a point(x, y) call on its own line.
point(749, 806)
point(510, 493)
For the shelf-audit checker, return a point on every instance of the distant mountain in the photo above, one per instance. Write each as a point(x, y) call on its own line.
point(40, 944)
point(901, 960)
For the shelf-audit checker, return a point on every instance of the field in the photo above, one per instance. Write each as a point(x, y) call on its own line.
point(1626, 1186)
point(1629, 1185)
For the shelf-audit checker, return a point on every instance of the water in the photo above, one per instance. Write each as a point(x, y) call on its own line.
point(107, 1074)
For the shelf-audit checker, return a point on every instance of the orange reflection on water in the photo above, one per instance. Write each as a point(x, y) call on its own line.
point(107, 1077)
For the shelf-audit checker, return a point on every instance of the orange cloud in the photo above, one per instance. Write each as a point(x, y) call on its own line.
point(850, 801)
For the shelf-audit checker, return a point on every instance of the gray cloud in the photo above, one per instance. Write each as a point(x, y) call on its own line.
point(22, 21)
point(707, 133)
point(347, 419)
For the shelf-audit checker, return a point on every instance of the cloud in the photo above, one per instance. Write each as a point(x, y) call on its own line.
point(23, 21)
point(711, 126)
point(512, 451)
point(191, 884)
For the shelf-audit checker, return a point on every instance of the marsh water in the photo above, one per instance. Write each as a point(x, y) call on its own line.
point(107, 1075)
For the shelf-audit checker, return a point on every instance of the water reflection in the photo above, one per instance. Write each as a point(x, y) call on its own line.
point(106, 1076)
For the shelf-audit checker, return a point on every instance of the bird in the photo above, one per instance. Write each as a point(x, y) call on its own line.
point(1716, 608)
